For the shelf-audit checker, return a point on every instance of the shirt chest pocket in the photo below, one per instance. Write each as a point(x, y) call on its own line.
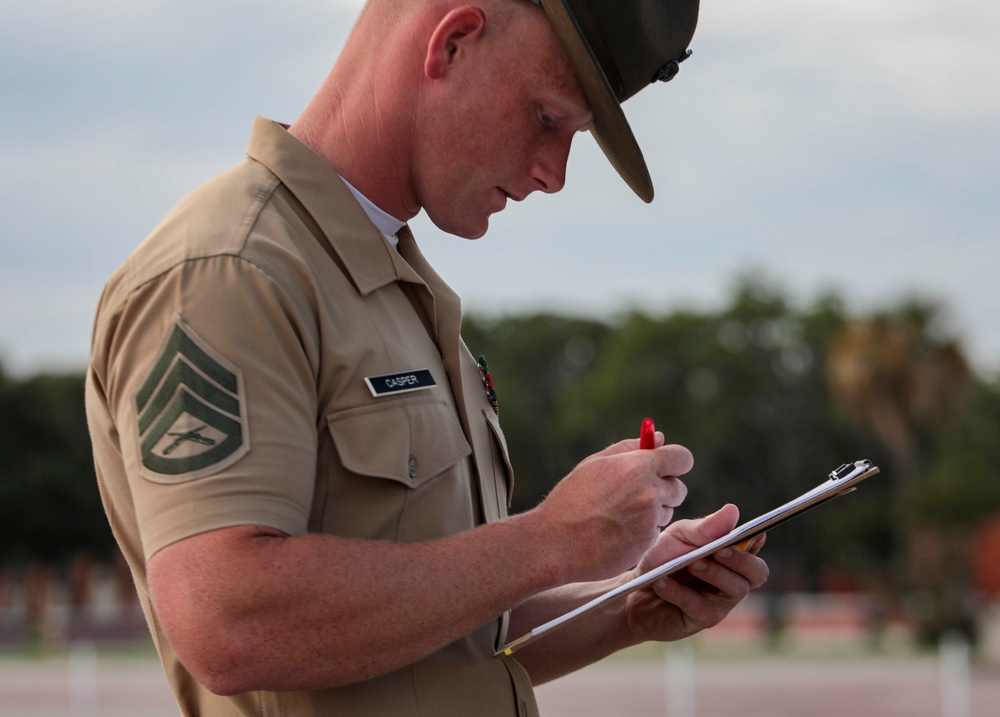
point(397, 471)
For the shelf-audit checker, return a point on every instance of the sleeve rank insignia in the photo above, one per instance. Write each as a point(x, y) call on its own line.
point(190, 411)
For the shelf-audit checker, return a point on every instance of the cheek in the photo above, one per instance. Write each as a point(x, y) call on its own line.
point(476, 165)
point(479, 147)
point(503, 147)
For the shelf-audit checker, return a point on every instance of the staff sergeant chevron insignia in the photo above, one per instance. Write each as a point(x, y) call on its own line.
point(190, 411)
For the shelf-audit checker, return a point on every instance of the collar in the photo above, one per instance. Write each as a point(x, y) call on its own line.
point(355, 236)
point(386, 223)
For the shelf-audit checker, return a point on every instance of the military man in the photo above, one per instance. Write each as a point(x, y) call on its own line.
point(297, 453)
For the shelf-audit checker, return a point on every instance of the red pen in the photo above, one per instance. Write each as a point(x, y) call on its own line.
point(647, 434)
point(647, 439)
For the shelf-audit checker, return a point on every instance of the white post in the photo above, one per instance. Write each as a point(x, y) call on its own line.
point(679, 673)
point(83, 680)
point(956, 676)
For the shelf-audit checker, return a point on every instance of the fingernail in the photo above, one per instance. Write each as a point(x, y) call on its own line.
point(725, 553)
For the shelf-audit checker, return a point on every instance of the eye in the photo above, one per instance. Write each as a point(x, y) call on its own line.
point(545, 119)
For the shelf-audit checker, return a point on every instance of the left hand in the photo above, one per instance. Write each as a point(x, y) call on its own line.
point(684, 603)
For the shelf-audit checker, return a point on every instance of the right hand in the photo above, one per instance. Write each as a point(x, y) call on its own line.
point(610, 509)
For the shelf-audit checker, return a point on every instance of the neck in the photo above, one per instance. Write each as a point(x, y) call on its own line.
point(360, 119)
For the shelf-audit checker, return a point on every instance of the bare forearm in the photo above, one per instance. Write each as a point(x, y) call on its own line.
point(317, 611)
point(587, 640)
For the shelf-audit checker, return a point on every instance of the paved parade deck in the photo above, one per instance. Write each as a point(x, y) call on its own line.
point(83, 684)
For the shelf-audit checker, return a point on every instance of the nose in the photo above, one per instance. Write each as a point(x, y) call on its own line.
point(548, 170)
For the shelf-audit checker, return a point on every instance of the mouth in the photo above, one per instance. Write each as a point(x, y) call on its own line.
point(501, 201)
point(502, 196)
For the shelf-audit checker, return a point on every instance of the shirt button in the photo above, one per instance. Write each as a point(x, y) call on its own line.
point(413, 467)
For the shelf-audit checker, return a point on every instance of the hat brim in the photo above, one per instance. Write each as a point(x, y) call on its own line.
point(611, 129)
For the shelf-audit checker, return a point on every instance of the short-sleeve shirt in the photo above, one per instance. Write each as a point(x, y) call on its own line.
point(266, 358)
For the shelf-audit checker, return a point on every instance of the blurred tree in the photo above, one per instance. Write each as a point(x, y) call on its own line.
point(956, 495)
point(744, 390)
point(743, 387)
point(898, 378)
point(960, 487)
point(893, 376)
point(535, 361)
point(50, 506)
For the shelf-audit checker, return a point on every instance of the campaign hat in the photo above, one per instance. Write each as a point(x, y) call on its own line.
point(618, 47)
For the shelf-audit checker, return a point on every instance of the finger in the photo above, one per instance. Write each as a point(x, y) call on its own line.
point(627, 445)
point(673, 491)
point(700, 609)
point(684, 535)
point(752, 545)
point(681, 537)
point(701, 531)
point(670, 460)
point(666, 462)
point(715, 583)
point(720, 580)
point(745, 564)
point(666, 515)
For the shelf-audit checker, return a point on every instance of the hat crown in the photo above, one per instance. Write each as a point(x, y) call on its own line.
point(633, 39)
point(617, 47)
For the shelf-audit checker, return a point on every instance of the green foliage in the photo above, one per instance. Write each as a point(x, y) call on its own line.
point(535, 362)
point(961, 487)
point(49, 501)
point(744, 387)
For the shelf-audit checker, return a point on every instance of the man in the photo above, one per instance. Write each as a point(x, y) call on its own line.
point(297, 453)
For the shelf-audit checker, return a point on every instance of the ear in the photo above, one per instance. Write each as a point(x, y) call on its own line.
point(454, 34)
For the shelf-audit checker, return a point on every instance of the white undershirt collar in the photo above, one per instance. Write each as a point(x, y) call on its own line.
point(385, 222)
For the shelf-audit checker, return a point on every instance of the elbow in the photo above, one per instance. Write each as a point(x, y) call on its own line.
point(222, 652)
point(221, 685)
point(227, 670)
point(219, 663)
point(224, 685)
point(231, 661)
point(222, 679)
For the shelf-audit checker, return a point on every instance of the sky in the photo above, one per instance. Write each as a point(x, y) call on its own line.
point(832, 145)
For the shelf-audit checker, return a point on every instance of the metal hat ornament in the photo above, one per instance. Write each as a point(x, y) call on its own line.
point(618, 47)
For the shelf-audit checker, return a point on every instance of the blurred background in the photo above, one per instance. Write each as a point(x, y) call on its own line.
point(815, 283)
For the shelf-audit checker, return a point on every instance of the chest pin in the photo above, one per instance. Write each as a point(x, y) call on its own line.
point(491, 394)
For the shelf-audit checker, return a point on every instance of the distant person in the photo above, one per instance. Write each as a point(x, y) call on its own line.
point(299, 457)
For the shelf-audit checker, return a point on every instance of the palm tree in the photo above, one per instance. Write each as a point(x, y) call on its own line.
point(895, 378)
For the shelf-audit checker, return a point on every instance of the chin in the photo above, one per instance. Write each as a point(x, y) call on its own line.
point(469, 229)
point(477, 234)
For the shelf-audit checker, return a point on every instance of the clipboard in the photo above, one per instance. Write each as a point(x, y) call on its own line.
point(841, 481)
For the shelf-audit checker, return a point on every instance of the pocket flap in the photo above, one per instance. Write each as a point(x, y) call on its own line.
point(409, 442)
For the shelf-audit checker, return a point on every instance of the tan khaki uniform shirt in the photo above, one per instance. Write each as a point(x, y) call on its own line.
point(266, 358)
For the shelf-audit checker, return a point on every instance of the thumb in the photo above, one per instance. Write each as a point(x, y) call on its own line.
point(686, 535)
point(702, 531)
